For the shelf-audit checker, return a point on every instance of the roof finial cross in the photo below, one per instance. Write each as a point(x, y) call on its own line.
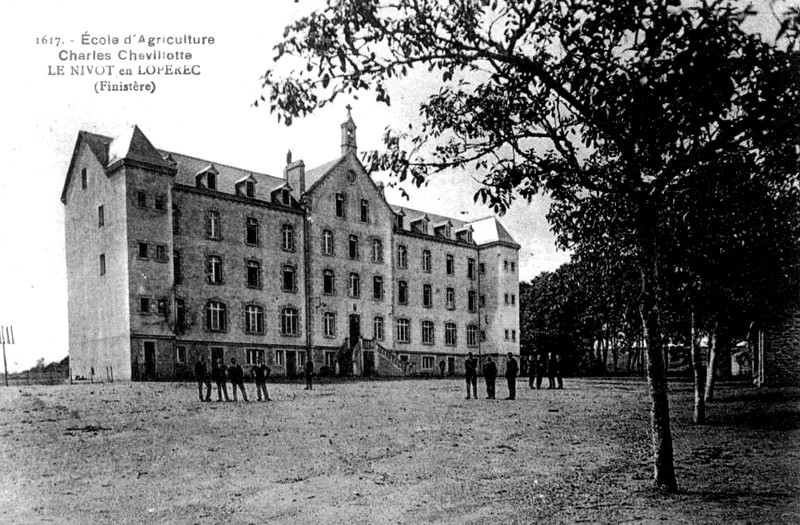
point(349, 107)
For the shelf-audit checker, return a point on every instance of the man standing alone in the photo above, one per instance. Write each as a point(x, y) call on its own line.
point(201, 375)
point(511, 376)
point(471, 370)
point(489, 375)
point(308, 370)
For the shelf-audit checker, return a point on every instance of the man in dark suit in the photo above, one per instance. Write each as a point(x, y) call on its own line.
point(220, 378)
point(236, 375)
point(511, 376)
point(260, 373)
point(471, 371)
point(201, 375)
point(489, 375)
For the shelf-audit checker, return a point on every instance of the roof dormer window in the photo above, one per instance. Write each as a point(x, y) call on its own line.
point(207, 178)
point(286, 197)
point(211, 181)
point(250, 188)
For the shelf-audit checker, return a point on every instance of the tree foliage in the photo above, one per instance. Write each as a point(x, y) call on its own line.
point(607, 106)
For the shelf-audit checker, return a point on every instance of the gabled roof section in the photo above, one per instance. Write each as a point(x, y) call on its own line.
point(133, 145)
point(488, 230)
point(315, 175)
point(249, 177)
point(209, 169)
point(98, 144)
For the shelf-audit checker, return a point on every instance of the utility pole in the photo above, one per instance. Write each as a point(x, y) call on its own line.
point(6, 336)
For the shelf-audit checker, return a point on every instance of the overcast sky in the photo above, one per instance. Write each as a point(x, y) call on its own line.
point(208, 116)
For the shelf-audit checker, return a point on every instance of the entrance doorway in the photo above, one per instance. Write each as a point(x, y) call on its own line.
point(291, 364)
point(451, 365)
point(355, 329)
point(149, 360)
point(217, 352)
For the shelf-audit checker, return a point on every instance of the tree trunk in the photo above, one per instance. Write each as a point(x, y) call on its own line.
point(719, 337)
point(664, 469)
point(699, 378)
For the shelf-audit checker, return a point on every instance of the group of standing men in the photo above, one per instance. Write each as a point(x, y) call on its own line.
point(545, 364)
point(234, 373)
point(490, 375)
point(551, 365)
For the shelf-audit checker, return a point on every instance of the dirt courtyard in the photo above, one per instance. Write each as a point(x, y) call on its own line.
point(412, 451)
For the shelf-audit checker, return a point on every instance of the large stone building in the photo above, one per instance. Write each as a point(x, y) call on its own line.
point(169, 257)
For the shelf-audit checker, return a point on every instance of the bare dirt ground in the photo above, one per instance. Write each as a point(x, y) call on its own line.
point(375, 452)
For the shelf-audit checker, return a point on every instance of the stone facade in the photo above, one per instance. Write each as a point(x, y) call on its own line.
point(776, 351)
point(202, 258)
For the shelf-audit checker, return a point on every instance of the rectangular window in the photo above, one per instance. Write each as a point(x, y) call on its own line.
point(250, 188)
point(471, 301)
point(144, 305)
point(340, 206)
point(141, 199)
point(482, 301)
point(427, 296)
point(427, 332)
point(84, 179)
point(251, 231)
point(161, 252)
point(505, 298)
point(377, 328)
point(287, 241)
point(180, 355)
point(327, 242)
point(427, 362)
point(176, 223)
point(211, 180)
point(101, 219)
point(102, 264)
point(280, 358)
point(288, 278)
point(160, 202)
point(402, 292)
point(213, 225)
point(377, 250)
point(513, 335)
point(328, 282)
point(403, 331)
point(513, 266)
point(254, 319)
point(513, 299)
point(364, 210)
point(450, 334)
point(180, 313)
point(254, 355)
point(377, 287)
point(162, 306)
point(451, 298)
point(214, 269)
point(289, 321)
point(482, 268)
point(506, 334)
point(355, 285)
point(330, 359)
point(253, 274)
point(472, 335)
point(352, 246)
point(505, 266)
point(329, 324)
point(450, 264)
point(143, 254)
point(426, 260)
point(216, 316)
point(402, 257)
point(470, 268)
point(483, 335)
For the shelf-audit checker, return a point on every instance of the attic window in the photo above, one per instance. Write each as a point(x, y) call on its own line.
point(211, 180)
point(84, 181)
point(250, 188)
point(351, 175)
point(398, 220)
point(286, 197)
